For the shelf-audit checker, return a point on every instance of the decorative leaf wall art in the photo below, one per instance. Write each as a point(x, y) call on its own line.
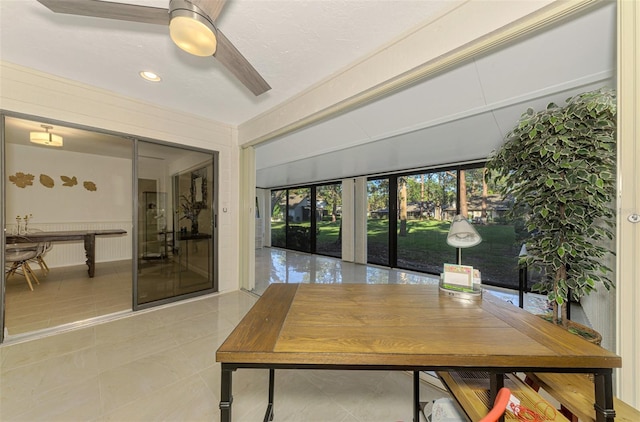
point(69, 181)
point(90, 186)
point(21, 179)
point(46, 181)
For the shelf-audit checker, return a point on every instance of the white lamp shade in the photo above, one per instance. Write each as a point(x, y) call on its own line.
point(523, 250)
point(462, 234)
point(195, 36)
point(45, 138)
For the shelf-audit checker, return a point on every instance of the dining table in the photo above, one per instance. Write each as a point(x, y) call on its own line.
point(87, 236)
point(404, 327)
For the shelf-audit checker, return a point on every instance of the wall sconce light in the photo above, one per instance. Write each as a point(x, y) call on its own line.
point(46, 138)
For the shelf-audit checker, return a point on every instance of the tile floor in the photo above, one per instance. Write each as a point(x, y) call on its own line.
point(66, 295)
point(281, 266)
point(160, 364)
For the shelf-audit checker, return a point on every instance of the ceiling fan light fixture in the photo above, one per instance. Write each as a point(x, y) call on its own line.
point(191, 30)
point(46, 138)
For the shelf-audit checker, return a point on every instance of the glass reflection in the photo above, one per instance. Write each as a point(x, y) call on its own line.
point(84, 185)
point(285, 266)
point(176, 204)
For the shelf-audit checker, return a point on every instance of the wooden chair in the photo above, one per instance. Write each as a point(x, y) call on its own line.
point(17, 257)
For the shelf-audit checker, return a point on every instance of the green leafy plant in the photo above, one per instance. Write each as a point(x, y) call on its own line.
point(558, 165)
point(191, 210)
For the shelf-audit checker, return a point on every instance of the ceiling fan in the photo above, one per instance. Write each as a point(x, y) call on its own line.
point(190, 27)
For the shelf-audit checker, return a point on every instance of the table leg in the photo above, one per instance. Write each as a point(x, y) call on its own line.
point(604, 397)
point(268, 416)
point(226, 398)
point(416, 396)
point(90, 252)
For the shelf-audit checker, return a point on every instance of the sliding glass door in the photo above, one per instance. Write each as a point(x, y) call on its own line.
point(279, 218)
point(299, 219)
point(409, 216)
point(176, 213)
point(152, 204)
point(502, 236)
point(308, 219)
point(378, 219)
point(328, 216)
point(424, 199)
point(82, 186)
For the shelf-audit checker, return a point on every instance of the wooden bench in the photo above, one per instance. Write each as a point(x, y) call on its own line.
point(471, 391)
point(576, 394)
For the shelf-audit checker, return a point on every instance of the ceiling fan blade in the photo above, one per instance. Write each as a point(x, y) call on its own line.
point(109, 10)
point(211, 7)
point(227, 54)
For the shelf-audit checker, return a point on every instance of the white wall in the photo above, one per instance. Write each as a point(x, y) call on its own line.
point(27, 91)
point(72, 207)
point(628, 233)
point(263, 202)
point(63, 204)
point(463, 34)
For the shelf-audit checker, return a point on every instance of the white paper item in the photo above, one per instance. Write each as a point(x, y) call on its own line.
point(445, 410)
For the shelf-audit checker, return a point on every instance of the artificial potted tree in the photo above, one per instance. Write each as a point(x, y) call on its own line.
point(558, 165)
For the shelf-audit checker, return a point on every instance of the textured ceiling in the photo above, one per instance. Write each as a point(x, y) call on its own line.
point(292, 44)
point(459, 115)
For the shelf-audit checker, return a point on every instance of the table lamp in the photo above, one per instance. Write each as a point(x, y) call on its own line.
point(462, 235)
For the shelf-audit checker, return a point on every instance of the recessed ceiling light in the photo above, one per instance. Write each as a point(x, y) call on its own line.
point(150, 76)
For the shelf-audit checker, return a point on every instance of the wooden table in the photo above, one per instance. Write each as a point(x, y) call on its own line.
point(403, 327)
point(88, 236)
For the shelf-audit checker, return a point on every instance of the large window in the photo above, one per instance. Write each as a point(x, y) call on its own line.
point(408, 219)
point(299, 221)
point(497, 256)
point(328, 215)
point(378, 221)
point(308, 219)
point(426, 204)
point(279, 218)
point(424, 212)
